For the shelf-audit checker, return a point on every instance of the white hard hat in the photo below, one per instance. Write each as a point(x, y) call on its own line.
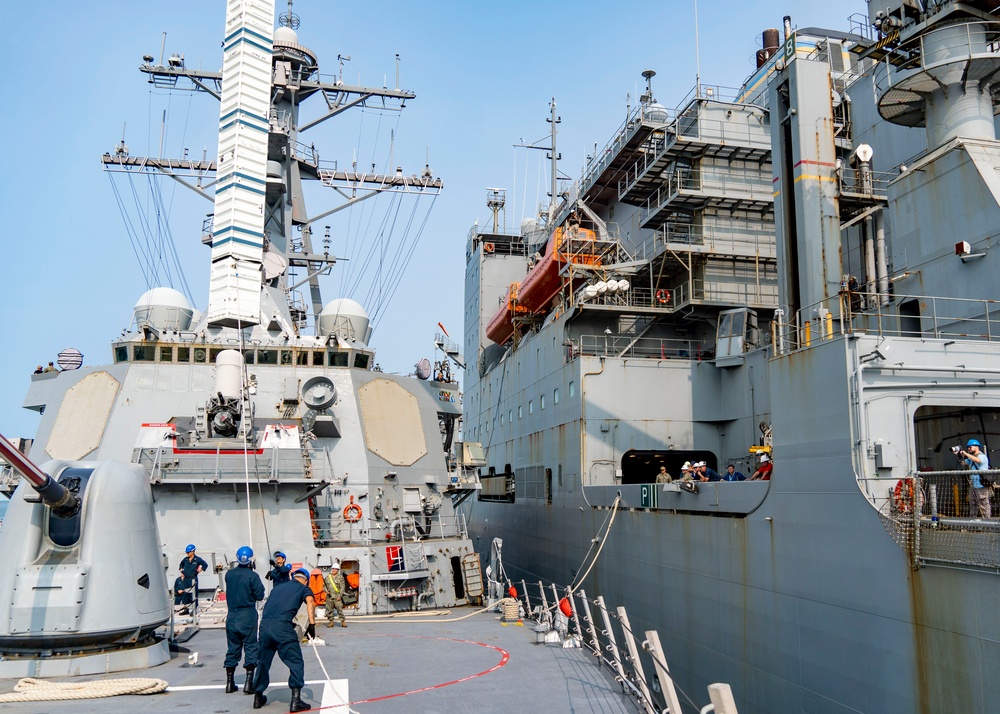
point(335, 565)
point(765, 458)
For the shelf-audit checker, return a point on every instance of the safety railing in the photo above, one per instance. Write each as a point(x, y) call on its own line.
point(864, 183)
point(332, 528)
point(732, 186)
point(726, 293)
point(638, 348)
point(887, 315)
point(630, 653)
point(719, 240)
point(938, 518)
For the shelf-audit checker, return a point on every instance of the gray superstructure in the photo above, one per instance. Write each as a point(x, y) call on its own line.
point(810, 266)
point(266, 421)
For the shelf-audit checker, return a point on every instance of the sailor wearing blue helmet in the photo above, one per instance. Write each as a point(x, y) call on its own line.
point(190, 566)
point(977, 461)
point(243, 591)
point(281, 571)
point(278, 636)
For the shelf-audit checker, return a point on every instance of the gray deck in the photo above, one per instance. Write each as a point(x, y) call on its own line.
point(389, 666)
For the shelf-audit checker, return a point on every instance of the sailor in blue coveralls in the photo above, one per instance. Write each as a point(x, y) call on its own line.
point(280, 572)
point(190, 566)
point(277, 635)
point(243, 590)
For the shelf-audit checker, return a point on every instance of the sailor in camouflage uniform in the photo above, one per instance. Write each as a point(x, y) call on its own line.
point(335, 587)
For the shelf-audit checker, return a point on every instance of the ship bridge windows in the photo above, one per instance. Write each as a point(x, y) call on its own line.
point(121, 353)
point(166, 353)
point(200, 355)
point(337, 359)
point(143, 353)
point(361, 360)
point(183, 354)
point(641, 466)
point(267, 357)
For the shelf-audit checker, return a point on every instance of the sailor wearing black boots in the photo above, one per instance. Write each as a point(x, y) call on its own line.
point(278, 636)
point(243, 590)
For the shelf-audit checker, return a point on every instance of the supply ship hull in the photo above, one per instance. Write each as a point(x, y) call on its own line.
point(792, 290)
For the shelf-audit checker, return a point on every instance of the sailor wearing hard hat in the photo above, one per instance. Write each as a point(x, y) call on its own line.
point(191, 565)
point(243, 590)
point(335, 586)
point(278, 636)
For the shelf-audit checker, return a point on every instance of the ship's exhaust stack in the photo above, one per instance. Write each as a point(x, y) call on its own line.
point(83, 588)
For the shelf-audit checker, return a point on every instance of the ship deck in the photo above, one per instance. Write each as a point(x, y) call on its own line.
point(419, 664)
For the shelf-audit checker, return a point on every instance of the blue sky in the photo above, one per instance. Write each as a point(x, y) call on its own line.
point(484, 74)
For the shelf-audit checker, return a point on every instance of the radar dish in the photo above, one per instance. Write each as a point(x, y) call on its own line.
point(70, 358)
point(423, 368)
point(274, 265)
point(319, 393)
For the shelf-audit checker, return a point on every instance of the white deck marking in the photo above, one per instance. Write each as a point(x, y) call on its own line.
point(335, 697)
point(199, 687)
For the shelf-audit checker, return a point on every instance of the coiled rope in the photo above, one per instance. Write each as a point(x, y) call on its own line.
point(40, 690)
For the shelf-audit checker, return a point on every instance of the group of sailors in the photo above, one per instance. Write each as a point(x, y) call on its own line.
point(275, 633)
point(697, 471)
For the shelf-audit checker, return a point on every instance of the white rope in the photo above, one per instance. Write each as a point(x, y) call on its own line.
point(40, 690)
point(580, 578)
point(329, 681)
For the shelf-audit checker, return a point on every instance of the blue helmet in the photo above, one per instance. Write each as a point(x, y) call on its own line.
point(301, 572)
point(279, 554)
point(244, 555)
point(190, 548)
point(973, 442)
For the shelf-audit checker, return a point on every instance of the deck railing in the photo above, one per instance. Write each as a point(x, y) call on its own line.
point(886, 315)
point(635, 657)
point(930, 515)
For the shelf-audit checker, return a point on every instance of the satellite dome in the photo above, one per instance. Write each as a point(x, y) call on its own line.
point(657, 112)
point(346, 319)
point(285, 36)
point(163, 309)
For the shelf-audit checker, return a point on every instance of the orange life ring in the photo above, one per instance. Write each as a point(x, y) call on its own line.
point(488, 247)
point(352, 512)
point(663, 296)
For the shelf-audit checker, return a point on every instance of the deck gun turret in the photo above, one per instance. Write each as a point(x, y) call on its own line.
point(84, 586)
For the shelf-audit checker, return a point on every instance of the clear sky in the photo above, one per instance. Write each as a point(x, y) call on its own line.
point(484, 74)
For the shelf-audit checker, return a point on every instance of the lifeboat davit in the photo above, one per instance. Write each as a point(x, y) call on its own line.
point(501, 327)
point(567, 245)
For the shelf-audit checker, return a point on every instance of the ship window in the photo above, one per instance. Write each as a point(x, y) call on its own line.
point(286, 356)
point(518, 411)
point(531, 406)
point(183, 354)
point(267, 357)
point(214, 354)
point(142, 353)
point(121, 354)
point(317, 359)
point(166, 354)
point(199, 355)
point(502, 416)
point(361, 361)
point(541, 401)
point(572, 389)
point(510, 416)
point(248, 357)
point(555, 395)
point(302, 359)
point(337, 359)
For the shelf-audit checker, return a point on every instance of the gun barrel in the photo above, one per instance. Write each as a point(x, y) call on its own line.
point(53, 494)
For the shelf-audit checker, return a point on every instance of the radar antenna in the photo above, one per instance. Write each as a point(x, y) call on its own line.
point(289, 19)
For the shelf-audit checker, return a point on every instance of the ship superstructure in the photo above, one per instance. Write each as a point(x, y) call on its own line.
point(265, 421)
point(809, 264)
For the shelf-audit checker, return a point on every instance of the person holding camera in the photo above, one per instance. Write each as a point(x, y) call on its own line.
point(974, 458)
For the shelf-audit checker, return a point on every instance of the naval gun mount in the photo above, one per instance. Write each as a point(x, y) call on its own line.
point(84, 587)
